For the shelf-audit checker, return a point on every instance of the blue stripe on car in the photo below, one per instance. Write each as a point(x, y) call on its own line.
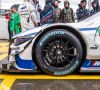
point(87, 29)
point(25, 64)
point(81, 29)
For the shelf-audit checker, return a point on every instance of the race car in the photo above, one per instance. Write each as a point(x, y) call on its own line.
point(57, 49)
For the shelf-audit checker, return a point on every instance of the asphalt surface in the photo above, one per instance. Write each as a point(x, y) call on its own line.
point(44, 82)
point(56, 85)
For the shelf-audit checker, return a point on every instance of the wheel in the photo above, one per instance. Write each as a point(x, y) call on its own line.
point(58, 52)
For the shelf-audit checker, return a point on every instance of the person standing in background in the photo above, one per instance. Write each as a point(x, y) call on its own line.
point(97, 1)
point(95, 7)
point(15, 21)
point(48, 13)
point(67, 14)
point(37, 9)
point(28, 16)
point(7, 16)
point(82, 11)
point(57, 11)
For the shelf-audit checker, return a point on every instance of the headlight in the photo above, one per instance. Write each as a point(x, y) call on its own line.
point(20, 40)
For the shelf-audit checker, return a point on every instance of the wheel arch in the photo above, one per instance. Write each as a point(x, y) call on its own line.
point(66, 27)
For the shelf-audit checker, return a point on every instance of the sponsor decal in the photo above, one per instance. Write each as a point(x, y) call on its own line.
point(91, 63)
point(96, 63)
point(23, 7)
point(97, 31)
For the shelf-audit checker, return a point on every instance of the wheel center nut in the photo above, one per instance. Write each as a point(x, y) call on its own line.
point(59, 52)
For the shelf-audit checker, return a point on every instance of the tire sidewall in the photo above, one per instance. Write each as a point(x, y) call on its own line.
point(44, 39)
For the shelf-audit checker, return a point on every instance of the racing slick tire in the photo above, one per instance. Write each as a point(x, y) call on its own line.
point(59, 52)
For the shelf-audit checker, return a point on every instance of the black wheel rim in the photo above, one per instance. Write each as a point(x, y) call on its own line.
point(59, 52)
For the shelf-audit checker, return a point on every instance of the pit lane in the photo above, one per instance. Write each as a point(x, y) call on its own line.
point(10, 81)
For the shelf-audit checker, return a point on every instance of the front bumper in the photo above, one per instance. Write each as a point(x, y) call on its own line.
point(11, 62)
point(18, 49)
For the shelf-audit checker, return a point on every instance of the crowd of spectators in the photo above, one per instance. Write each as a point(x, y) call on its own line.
point(51, 13)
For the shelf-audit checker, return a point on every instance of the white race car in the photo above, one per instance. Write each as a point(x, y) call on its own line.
point(57, 49)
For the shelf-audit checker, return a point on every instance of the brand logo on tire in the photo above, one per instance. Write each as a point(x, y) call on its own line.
point(49, 35)
point(67, 71)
